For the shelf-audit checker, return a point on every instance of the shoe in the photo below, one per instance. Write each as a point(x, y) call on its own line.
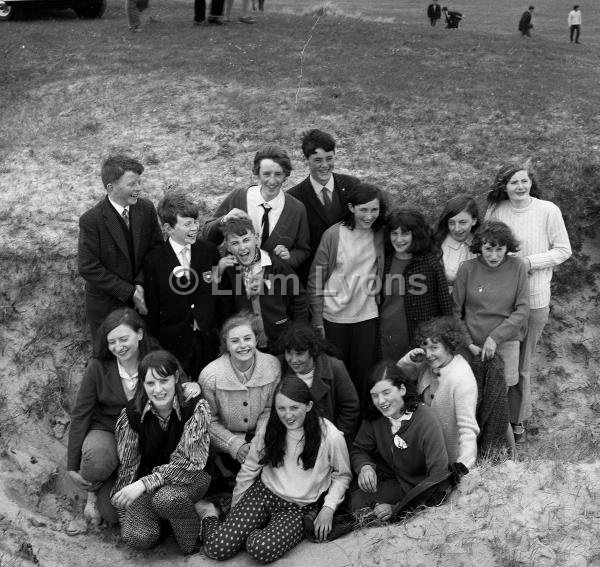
point(206, 509)
point(519, 433)
point(90, 512)
point(215, 20)
point(199, 23)
point(247, 20)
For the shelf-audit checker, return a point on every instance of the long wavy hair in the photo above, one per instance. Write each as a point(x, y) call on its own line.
point(275, 435)
point(131, 319)
point(453, 207)
point(498, 194)
point(398, 376)
point(411, 220)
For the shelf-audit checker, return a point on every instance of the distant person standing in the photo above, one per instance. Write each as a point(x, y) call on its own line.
point(525, 24)
point(574, 21)
point(434, 12)
point(453, 17)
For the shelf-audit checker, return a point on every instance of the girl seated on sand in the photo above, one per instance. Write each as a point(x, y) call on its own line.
point(399, 451)
point(298, 463)
point(447, 385)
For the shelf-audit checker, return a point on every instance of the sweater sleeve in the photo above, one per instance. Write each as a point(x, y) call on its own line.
point(251, 468)
point(443, 295)
point(510, 328)
point(433, 444)
point(347, 405)
point(318, 276)
point(266, 412)
point(85, 404)
point(465, 402)
point(364, 447)
point(212, 230)
point(128, 450)
point(459, 296)
point(341, 474)
point(301, 249)
point(560, 246)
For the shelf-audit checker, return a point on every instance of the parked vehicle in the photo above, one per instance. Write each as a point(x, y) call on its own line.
point(9, 9)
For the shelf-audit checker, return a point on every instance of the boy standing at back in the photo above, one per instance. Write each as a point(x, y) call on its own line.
point(114, 237)
point(322, 192)
point(182, 311)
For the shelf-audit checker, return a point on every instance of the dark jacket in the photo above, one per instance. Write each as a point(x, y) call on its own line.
point(434, 12)
point(525, 21)
point(318, 218)
point(333, 392)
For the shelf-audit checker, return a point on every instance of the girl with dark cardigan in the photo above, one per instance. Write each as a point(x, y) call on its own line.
point(163, 446)
point(109, 382)
point(307, 355)
point(414, 287)
point(297, 464)
point(399, 452)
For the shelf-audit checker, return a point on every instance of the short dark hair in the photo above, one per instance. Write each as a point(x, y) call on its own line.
point(399, 376)
point(446, 330)
point(314, 139)
point(275, 153)
point(176, 204)
point(114, 167)
point(300, 337)
point(360, 194)
point(164, 364)
point(453, 207)
point(237, 227)
point(530, 8)
point(411, 220)
point(496, 233)
point(241, 318)
point(498, 191)
point(130, 318)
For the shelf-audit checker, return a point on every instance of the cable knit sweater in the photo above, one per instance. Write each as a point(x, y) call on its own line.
point(543, 239)
point(237, 408)
point(453, 397)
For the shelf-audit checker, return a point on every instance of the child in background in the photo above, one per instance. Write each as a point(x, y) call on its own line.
point(414, 286)
point(448, 385)
point(454, 233)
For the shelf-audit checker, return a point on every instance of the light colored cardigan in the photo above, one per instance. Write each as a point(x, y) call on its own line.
point(237, 408)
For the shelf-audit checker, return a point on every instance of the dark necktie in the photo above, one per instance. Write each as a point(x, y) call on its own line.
point(265, 224)
point(326, 198)
point(125, 215)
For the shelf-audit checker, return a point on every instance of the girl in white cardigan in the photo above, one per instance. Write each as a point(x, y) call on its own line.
point(448, 385)
point(297, 463)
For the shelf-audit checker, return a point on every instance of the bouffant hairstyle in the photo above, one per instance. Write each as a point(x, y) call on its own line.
point(174, 204)
point(495, 233)
point(131, 319)
point(453, 207)
point(275, 153)
point(241, 318)
point(363, 193)
point(445, 330)
point(411, 220)
point(398, 375)
point(503, 176)
point(114, 167)
point(314, 139)
point(163, 364)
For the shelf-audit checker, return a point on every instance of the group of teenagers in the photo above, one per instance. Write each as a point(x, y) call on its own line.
point(309, 357)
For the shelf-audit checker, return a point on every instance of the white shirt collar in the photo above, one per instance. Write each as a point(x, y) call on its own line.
point(177, 248)
point(119, 208)
point(265, 259)
point(318, 187)
point(255, 199)
point(451, 242)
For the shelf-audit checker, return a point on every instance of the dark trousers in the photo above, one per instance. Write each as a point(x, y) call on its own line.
point(200, 349)
point(357, 346)
point(216, 9)
point(575, 30)
point(433, 21)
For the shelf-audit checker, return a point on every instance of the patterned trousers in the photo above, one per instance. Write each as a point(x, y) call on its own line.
point(267, 524)
point(144, 523)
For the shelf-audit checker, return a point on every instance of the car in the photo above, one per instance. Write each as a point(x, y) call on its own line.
point(9, 9)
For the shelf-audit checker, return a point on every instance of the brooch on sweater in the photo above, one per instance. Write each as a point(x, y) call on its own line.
point(399, 442)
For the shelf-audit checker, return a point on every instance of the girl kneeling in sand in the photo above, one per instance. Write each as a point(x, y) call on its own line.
point(399, 451)
point(297, 463)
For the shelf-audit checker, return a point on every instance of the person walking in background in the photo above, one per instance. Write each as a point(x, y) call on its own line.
point(245, 18)
point(453, 17)
point(216, 12)
point(525, 24)
point(434, 12)
point(574, 21)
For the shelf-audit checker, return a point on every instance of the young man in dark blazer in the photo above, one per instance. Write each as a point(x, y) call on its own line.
point(182, 312)
point(322, 193)
point(114, 237)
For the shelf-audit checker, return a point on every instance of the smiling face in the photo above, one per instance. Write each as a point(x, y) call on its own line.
point(460, 226)
point(436, 354)
point(271, 177)
point(388, 398)
point(518, 187)
point(365, 214)
point(300, 361)
point(124, 343)
point(160, 390)
point(125, 190)
point(321, 164)
point(241, 344)
point(493, 254)
point(185, 230)
point(401, 242)
point(291, 413)
point(243, 247)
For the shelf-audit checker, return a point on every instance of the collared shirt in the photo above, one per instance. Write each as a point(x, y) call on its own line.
point(397, 423)
point(163, 421)
point(119, 208)
point(318, 187)
point(177, 248)
point(254, 202)
point(128, 381)
point(454, 254)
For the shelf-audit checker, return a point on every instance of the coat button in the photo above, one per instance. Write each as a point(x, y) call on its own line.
point(192, 306)
point(245, 404)
point(245, 420)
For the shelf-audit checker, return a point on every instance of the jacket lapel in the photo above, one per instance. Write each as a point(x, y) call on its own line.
point(136, 230)
point(114, 226)
point(314, 201)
